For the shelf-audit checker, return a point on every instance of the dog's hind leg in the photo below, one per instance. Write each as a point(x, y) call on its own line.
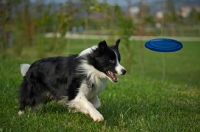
point(30, 94)
point(21, 108)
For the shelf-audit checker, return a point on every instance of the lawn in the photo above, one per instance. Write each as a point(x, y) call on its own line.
point(138, 102)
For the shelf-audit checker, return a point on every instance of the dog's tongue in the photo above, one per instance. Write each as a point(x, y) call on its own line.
point(112, 76)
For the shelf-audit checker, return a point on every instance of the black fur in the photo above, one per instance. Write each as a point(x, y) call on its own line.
point(54, 75)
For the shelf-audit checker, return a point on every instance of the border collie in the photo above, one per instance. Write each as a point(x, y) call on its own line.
point(75, 80)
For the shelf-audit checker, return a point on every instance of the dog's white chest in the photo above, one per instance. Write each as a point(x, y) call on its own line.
point(99, 87)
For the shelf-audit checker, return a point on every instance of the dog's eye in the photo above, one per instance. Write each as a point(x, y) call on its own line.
point(112, 61)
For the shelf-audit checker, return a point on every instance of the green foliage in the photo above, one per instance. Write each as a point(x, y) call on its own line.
point(149, 20)
point(170, 14)
point(42, 21)
point(5, 22)
point(31, 21)
point(144, 9)
point(197, 16)
point(43, 18)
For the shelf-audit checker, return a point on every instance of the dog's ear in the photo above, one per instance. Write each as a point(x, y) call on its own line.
point(102, 45)
point(117, 43)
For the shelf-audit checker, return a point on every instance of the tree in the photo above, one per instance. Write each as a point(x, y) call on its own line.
point(64, 17)
point(125, 28)
point(170, 14)
point(5, 22)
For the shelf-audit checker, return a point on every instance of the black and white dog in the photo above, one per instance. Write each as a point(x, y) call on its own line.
point(75, 80)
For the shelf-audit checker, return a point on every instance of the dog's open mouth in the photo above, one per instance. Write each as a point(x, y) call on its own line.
point(112, 76)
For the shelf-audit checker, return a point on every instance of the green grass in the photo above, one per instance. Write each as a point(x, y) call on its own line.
point(135, 103)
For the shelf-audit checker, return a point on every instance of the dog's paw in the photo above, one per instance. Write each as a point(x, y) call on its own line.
point(96, 116)
point(20, 112)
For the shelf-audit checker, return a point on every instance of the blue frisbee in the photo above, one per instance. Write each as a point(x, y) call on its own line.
point(163, 45)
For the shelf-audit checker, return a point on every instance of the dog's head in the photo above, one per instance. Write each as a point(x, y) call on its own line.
point(107, 60)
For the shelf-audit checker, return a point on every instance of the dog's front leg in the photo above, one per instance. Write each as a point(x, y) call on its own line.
point(81, 103)
point(95, 101)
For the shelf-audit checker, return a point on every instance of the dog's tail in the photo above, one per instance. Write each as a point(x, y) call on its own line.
point(24, 68)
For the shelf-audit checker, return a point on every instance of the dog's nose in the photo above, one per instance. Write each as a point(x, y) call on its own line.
point(123, 71)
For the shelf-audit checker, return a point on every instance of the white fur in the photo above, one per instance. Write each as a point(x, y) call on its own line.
point(91, 72)
point(118, 67)
point(88, 51)
point(24, 68)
